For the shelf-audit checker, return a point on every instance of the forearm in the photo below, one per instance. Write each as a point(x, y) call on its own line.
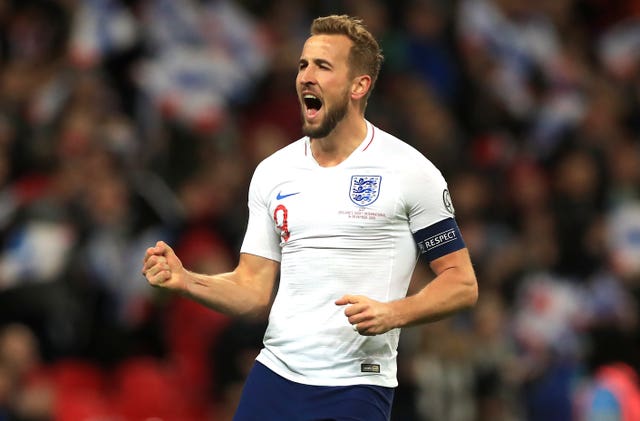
point(228, 293)
point(451, 291)
point(244, 292)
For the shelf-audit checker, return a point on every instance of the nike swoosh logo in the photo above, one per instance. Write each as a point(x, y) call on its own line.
point(281, 196)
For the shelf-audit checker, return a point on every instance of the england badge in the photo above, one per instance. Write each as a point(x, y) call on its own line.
point(364, 189)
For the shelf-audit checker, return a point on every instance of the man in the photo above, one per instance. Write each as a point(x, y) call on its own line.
point(342, 214)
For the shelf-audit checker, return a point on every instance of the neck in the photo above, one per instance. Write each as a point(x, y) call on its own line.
point(331, 150)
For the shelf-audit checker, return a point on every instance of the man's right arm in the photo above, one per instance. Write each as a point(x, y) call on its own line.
point(246, 291)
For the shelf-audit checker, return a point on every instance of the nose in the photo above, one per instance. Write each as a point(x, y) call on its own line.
point(306, 76)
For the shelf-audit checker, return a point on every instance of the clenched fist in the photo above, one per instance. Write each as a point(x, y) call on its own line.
point(162, 268)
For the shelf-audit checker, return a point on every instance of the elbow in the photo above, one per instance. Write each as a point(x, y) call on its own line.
point(471, 292)
point(255, 309)
point(255, 313)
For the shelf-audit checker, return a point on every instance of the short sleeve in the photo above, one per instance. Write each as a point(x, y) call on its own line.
point(431, 214)
point(426, 197)
point(260, 239)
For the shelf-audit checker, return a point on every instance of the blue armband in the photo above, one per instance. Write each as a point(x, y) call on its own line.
point(439, 239)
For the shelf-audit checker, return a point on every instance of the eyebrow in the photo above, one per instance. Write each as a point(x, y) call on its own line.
point(316, 61)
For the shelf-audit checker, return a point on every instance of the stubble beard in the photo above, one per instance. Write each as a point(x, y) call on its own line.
point(333, 116)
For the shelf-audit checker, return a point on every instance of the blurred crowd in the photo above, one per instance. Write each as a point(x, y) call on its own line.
point(123, 122)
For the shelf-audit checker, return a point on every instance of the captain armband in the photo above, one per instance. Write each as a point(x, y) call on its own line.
point(439, 239)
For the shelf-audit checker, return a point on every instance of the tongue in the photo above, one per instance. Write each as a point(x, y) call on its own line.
point(312, 112)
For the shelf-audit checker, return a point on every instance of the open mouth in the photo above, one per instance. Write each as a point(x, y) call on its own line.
point(312, 104)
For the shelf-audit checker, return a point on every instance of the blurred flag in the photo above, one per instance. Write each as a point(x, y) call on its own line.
point(101, 27)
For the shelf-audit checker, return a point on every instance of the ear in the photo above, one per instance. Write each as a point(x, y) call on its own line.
point(360, 86)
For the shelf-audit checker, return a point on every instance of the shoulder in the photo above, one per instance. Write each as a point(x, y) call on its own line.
point(283, 156)
point(401, 154)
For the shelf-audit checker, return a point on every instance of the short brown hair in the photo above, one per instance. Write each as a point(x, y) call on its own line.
point(365, 55)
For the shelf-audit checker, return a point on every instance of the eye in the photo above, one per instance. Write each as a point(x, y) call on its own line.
point(323, 64)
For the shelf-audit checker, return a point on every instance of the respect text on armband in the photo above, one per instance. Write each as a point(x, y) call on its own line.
point(437, 240)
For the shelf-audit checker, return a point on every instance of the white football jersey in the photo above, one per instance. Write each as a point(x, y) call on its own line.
point(339, 230)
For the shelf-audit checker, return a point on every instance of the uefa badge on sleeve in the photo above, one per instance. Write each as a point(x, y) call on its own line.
point(446, 198)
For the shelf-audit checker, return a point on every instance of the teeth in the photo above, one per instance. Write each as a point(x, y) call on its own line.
point(309, 96)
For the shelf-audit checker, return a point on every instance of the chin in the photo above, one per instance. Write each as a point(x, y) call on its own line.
point(312, 130)
point(315, 132)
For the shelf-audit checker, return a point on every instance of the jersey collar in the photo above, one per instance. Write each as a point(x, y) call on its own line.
point(366, 142)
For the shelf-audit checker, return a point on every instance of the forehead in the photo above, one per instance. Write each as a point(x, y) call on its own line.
point(328, 47)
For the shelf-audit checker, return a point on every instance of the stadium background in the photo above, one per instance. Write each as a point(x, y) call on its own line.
point(127, 121)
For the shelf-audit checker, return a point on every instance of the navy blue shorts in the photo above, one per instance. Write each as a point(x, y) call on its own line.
point(267, 396)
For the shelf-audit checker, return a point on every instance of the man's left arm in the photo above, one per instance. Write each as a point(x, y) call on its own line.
point(453, 289)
